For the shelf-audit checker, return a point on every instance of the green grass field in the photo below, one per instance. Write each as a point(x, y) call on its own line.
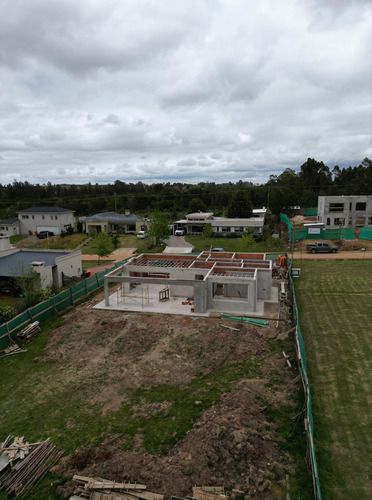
point(335, 305)
point(202, 243)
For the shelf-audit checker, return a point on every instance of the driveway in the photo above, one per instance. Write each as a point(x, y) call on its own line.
point(177, 244)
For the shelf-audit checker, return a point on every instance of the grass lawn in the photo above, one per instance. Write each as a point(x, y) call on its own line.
point(335, 306)
point(201, 243)
point(16, 238)
point(126, 241)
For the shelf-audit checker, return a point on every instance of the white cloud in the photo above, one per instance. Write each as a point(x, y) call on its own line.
point(197, 90)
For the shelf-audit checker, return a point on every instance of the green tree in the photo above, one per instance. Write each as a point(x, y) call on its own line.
point(197, 205)
point(102, 245)
point(246, 241)
point(28, 282)
point(157, 227)
point(207, 230)
point(240, 205)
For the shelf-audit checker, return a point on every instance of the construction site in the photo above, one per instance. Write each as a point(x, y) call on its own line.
point(202, 284)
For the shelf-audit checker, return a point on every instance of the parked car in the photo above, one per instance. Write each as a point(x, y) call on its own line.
point(217, 250)
point(179, 232)
point(142, 234)
point(44, 234)
point(321, 247)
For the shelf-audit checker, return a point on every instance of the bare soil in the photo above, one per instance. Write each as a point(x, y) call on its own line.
point(234, 443)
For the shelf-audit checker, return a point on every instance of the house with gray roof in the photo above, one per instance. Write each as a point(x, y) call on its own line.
point(114, 222)
point(9, 227)
point(35, 219)
point(53, 266)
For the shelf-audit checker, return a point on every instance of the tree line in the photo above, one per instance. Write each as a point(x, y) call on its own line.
point(280, 192)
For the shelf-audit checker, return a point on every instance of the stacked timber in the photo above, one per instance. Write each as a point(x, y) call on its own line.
point(102, 489)
point(12, 349)
point(27, 333)
point(209, 493)
point(28, 462)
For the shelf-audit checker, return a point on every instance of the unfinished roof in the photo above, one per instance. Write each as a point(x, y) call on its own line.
point(220, 263)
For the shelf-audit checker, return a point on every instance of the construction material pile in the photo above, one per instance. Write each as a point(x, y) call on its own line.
point(28, 463)
point(27, 333)
point(102, 489)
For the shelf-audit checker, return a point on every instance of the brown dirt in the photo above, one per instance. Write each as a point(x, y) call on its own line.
point(234, 443)
point(348, 250)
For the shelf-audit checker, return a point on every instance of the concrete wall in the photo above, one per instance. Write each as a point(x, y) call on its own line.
point(48, 221)
point(69, 264)
point(352, 217)
point(264, 280)
point(45, 273)
point(226, 303)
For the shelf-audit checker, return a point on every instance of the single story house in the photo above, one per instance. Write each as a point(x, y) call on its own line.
point(217, 281)
point(9, 227)
point(194, 223)
point(35, 219)
point(52, 265)
point(113, 222)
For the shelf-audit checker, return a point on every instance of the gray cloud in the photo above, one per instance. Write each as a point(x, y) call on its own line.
point(197, 90)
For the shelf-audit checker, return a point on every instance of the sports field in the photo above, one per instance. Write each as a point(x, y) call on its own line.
point(335, 305)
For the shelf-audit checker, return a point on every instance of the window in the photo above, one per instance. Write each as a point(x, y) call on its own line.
point(360, 221)
point(52, 217)
point(336, 207)
point(226, 229)
point(339, 221)
point(131, 227)
point(360, 207)
point(56, 217)
point(369, 220)
point(32, 216)
point(24, 216)
point(328, 221)
point(2, 227)
point(350, 206)
point(43, 217)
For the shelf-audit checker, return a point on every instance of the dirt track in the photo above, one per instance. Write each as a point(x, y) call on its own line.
point(341, 255)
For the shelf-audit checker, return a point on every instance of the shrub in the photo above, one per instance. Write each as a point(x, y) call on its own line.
point(7, 313)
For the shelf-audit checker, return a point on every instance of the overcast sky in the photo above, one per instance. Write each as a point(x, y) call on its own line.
point(181, 90)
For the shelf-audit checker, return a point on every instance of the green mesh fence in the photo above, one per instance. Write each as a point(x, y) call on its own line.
point(310, 211)
point(309, 426)
point(366, 233)
point(50, 307)
point(345, 233)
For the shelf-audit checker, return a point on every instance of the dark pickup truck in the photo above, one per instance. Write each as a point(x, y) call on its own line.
point(320, 247)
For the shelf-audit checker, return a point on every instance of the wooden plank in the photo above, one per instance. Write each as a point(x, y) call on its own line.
point(199, 494)
point(112, 485)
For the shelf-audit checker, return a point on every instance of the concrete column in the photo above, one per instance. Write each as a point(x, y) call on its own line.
point(200, 297)
point(106, 288)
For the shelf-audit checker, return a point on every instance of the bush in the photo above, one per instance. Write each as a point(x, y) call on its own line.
point(7, 313)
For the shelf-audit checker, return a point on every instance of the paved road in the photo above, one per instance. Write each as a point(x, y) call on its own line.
point(177, 244)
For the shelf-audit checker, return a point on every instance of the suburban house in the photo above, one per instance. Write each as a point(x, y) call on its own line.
point(215, 282)
point(112, 221)
point(36, 219)
point(194, 223)
point(9, 227)
point(53, 266)
point(345, 211)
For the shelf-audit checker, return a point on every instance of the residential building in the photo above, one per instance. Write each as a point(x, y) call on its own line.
point(9, 227)
point(36, 219)
point(53, 266)
point(216, 281)
point(194, 223)
point(345, 211)
point(114, 222)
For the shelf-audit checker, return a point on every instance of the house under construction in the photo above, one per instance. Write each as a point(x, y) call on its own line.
point(215, 282)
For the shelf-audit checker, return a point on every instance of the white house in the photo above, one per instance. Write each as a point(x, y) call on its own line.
point(113, 221)
point(9, 227)
point(36, 219)
point(194, 223)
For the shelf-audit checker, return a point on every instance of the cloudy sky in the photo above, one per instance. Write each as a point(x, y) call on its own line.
point(181, 90)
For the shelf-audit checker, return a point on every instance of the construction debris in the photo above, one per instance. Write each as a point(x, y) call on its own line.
point(102, 489)
point(28, 462)
point(13, 349)
point(243, 319)
point(27, 333)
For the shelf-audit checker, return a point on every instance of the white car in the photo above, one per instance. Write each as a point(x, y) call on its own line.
point(142, 234)
point(179, 232)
